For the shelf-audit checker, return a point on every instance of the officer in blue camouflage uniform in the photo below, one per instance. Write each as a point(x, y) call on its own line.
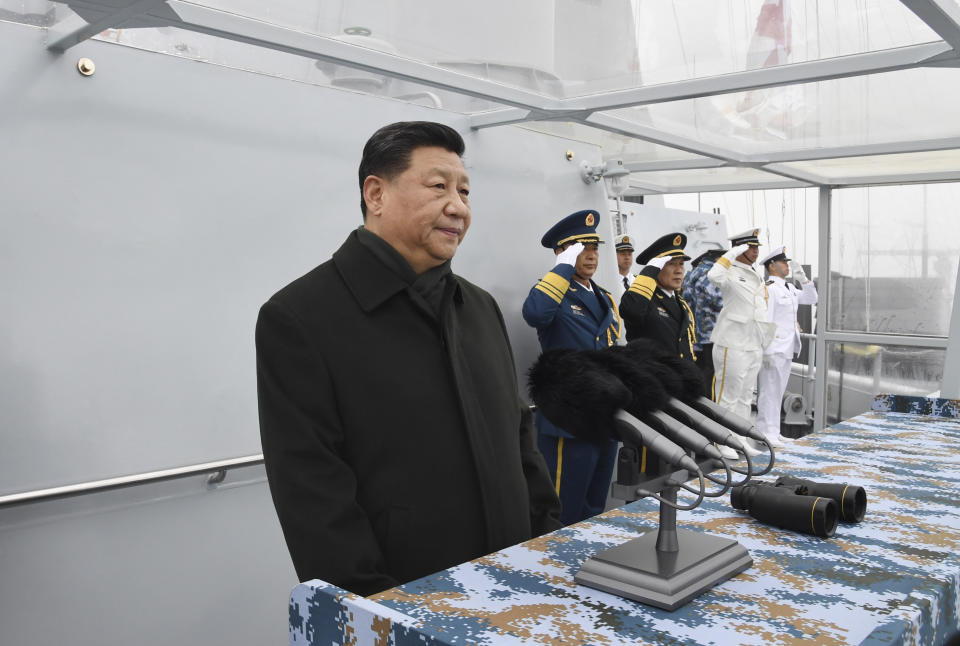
point(569, 310)
point(706, 301)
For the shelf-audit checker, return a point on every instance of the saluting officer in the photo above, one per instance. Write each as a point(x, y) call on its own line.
point(782, 301)
point(652, 308)
point(742, 330)
point(569, 310)
point(706, 301)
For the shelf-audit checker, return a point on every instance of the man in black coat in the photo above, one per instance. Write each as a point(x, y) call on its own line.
point(652, 308)
point(395, 442)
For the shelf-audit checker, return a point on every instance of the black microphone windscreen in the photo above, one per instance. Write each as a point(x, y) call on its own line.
point(633, 370)
point(690, 377)
point(575, 393)
point(646, 349)
point(679, 377)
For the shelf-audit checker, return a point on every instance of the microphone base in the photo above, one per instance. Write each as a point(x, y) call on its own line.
point(667, 580)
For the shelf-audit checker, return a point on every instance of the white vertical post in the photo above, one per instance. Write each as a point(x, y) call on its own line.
point(823, 311)
point(950, 387)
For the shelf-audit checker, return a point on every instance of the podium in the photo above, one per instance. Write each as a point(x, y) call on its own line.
point(890, 579)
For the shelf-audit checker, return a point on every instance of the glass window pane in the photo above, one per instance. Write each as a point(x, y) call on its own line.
point(614, 145)
point(709, 179)
point(32, 12)
point(784, 217)
point(842, 112)
point(856, 372)
point(862, 169)
point(565, 48)
point(686, 39)
point(894, 252)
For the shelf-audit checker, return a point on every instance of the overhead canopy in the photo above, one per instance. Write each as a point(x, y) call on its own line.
point(691, 95)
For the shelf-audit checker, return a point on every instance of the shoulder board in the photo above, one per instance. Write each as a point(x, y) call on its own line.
point(769, 282)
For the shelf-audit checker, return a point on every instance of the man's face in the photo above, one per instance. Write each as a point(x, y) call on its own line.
point(587, 261)
point(423, 212)
point(671, 276)
point(779, 268)
point(624, 261)
point(750, 255)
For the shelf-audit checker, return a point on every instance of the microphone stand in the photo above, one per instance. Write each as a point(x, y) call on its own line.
point(667, 542)
point(668, 567)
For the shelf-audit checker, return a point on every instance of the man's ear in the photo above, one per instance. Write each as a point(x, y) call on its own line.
point(373, 194)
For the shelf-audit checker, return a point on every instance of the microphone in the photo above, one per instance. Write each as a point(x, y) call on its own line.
point(631, 428)
point(574, 390)
point(618, 393)
point(682, 379)
point(652, 383)
point(703, 424)
point(726, 418)
point(682, 434)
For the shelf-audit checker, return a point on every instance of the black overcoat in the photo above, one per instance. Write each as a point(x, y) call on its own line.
point(395, 444)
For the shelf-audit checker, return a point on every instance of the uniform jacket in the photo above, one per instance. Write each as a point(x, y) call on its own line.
point(566, 315)
point(705, 299)
point(395, 442)
point(742, 323)
point(619, 289)
point(649, 313)
point(783, 299)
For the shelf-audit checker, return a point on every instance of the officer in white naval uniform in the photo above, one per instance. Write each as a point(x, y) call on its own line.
point(782, 301)
point(624, 247)
point(742, 330)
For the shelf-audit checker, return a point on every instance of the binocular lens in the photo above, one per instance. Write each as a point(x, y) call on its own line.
point(851, 499)
point(814, 515)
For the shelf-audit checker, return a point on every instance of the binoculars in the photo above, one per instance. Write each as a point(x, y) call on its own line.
point(801, 505)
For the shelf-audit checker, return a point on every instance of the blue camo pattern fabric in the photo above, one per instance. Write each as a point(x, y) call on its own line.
point(704, 298)
point(934, 406)
point(892, 579)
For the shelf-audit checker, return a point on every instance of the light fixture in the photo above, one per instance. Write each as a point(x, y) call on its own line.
point(612, 171)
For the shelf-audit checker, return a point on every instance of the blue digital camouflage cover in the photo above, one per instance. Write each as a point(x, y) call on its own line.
point(892, 579)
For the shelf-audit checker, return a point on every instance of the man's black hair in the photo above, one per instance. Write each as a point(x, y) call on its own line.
point(387, 152)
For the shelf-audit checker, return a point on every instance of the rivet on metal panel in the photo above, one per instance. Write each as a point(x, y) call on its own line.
point(86, 67)
point(569, 155)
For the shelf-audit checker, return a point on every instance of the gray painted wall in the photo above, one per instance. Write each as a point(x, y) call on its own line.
point(146, 213)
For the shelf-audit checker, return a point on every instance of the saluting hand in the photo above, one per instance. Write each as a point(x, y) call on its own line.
point(734, 253)
point(569, 255)
point(659, 262)
point(797, 271)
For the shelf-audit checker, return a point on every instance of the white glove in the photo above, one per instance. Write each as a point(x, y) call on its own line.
point(659, 262)
point(767, 361)
point(797, 271)
point(569, 256)
point(736, 251)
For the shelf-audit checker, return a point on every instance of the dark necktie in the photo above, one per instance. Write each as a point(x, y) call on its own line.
point(626, 283)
